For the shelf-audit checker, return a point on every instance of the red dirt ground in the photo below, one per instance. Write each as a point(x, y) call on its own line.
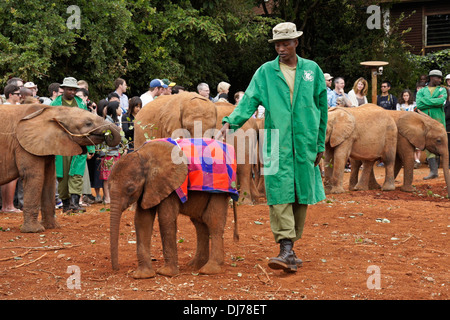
point(342, 244)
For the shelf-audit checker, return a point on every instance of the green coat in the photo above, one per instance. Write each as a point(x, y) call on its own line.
point(290, 175)
point(431, 104)
point(78, 163)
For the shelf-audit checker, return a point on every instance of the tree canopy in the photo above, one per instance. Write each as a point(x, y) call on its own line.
point(186, 41)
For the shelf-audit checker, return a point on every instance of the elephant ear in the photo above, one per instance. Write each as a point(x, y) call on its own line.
point(411, 126)
point(340, 126)
point(39, 134)
point(166, 170)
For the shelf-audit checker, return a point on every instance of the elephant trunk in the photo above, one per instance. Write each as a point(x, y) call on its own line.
point(112, 135)
point(114, 225)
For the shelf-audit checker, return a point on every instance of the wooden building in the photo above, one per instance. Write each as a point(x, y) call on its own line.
point(429, 21)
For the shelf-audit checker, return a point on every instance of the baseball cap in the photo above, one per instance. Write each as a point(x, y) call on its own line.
point(169, 83)
point(157, 83)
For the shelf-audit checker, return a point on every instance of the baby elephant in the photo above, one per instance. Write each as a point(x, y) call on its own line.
point(157, 177)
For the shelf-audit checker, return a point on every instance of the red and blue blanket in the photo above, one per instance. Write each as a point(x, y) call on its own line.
point(211, 166)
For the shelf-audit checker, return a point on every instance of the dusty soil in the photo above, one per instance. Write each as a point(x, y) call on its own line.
point(346, 248)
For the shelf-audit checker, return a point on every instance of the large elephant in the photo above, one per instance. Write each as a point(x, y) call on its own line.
point(30, 137)
point(415, 130)
point(245, 142)
point(150, 177)
point(365, 133)
point(178, 114)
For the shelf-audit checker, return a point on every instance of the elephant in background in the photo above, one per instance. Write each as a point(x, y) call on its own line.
point(415, 130)
point(162, 117)
point(30, 137)
point(246, 145)
point(150, 177)
point(365, 133)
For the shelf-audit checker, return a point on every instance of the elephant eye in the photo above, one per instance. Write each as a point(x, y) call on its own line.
point(89, 124)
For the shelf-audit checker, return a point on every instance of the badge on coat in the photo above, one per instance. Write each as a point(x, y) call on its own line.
point(308, 75)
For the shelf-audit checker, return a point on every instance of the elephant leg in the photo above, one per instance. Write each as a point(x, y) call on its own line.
point(168, 211)
point(356, 164)
point(143, 220)
point(341, 154)
point(244, 178)
point(363, 183)
point(408, 170)
point(389, 180)
point(328, 164)
point(373, 184)
point(48, 195)
point(33, 182)
point(215, 217)
point(202, 253)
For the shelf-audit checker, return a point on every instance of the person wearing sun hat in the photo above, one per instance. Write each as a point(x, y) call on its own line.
point(431, 100)
point(294, 94)
point(70, 170)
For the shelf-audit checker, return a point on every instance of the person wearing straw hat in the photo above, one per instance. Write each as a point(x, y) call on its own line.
point(431, 100)
point(294, 94)
point(70, 170)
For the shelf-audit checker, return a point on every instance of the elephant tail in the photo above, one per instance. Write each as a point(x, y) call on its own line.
point(235, 232)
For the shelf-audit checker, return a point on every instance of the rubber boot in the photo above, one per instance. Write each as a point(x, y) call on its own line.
point(66, 205)
point(286, 258)
point(75, 203)
point(433, 164)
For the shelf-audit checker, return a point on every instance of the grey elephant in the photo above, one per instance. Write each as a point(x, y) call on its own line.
point(30, 137)
point(152, 179)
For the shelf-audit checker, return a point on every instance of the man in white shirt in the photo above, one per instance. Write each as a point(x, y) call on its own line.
point(121, 88)
point(156, 88)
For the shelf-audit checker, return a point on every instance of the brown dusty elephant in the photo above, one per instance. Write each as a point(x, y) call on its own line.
point(30, 137)
point(150, 177)
point(174, 114)
point(415, 130)
point(245, 142)
point(366, 133)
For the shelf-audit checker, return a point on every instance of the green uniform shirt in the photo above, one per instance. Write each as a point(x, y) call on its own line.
point(295, 132)
point(78, 163)
point(430, 103)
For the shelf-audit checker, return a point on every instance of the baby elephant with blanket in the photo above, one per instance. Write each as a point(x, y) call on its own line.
point(194, 177)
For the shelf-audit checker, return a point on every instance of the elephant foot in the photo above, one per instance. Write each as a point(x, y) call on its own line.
point(336, 190)
point(360, 187)
point(52, 224)
point(32, 228)
point(168, 271)
point(408, 188)
point(211, 268)
point(388, 187)
point(144, 273)
point(196, 263)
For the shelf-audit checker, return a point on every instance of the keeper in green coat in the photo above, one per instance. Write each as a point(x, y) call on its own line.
point(431, 100)
point(293, 92)
point(70, 170)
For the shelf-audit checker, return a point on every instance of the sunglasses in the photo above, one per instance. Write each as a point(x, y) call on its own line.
point(16, 93)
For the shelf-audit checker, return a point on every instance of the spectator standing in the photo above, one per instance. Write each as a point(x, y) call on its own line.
point(156, 88)
point(358, 94)
point(12, 95)
point(328, 82)
point(406, 101)
point(33, 88)
point(222, 87)
point(70, 170)
point(386, 100)
point(431, 100)
point(238, 96)
point(54, 91)
point(293, 91)
point(203, 90)
point(177, 89)
point(339, 85)
point(111, 154)
point(121, 88)
point(170, 85)
point(135, 105)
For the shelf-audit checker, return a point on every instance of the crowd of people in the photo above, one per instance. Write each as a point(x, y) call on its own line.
point(90, 171)
point(422, 98)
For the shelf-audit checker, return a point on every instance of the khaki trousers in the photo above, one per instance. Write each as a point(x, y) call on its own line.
point(68, 185)
point(287, 220)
